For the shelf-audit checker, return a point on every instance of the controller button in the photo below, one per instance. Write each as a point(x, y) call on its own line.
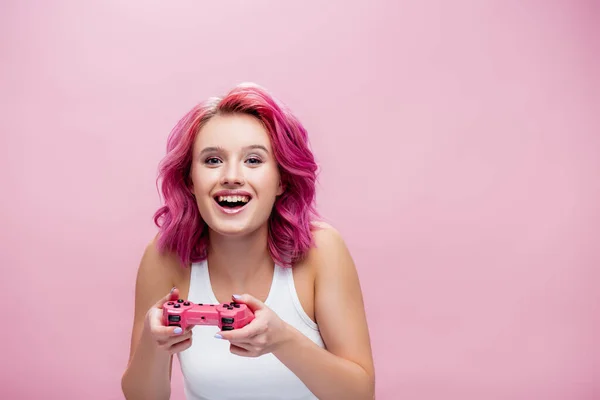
point(226, 320)
point(228, 328)
point(236, 305)
point(187, 303)
point(170, 303)
point(174, 318)
point(177, 305)
point(200, 304)
point(180, 300)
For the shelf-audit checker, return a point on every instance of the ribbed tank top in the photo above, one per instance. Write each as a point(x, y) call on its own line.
point(211, 372)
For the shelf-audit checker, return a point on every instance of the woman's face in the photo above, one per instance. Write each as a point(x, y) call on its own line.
point(235, 178)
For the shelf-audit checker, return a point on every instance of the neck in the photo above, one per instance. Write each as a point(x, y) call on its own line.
point(239, 260)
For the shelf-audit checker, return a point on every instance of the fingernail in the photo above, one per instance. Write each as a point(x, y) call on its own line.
point(218, 336)
point(236, 296)
point(177, 331)
point(172, 289)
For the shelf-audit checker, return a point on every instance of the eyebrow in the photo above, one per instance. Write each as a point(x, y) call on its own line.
point(218, 148)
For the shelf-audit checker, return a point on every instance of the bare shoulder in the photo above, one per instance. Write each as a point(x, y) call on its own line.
point(156, 274)
point(305, 270)
point(157, 270)
point(339, 307)
point(329, 246)
point(325, 232)
point(327, 241)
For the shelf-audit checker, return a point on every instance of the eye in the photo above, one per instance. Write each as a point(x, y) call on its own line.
point(254, 160)
point(212, 160)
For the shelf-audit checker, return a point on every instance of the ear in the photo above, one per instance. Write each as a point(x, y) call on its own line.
point(280, 188)
point(190, 186)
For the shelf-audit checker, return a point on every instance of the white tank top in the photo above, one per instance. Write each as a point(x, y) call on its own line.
point(211, 372)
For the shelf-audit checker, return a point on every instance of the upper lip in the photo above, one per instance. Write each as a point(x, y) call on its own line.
point(232, 193)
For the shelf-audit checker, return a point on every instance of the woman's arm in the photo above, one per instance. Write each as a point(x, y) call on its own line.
point(345, 370)
point(148, 373)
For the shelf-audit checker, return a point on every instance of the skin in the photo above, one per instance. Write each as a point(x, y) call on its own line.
point(326, 279)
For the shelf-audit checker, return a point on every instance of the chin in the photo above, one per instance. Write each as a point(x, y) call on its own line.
point(229, 229)
point(228, 225)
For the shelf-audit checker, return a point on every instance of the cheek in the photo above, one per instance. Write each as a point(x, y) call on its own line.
point(204, 180)
point(267, 178)
point(267, 184)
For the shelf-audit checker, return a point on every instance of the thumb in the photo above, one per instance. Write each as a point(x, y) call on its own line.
point(252, 302)
point(172, 295)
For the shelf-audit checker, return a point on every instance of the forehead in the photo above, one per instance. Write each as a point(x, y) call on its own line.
point(232, 132)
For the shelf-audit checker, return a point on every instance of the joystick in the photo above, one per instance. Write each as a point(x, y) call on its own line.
point(227, 316)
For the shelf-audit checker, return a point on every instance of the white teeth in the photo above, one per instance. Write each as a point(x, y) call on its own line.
point(234, 199)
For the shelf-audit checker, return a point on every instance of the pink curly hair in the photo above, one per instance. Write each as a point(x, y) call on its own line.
point(181, 227)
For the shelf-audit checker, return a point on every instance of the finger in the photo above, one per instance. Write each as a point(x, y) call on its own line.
point(252, 302)
point(161, 331)
point(181, 346)
point(172, 295)
point(172, 340)
point(240, 351)
point(241, 335)
point(168, 342)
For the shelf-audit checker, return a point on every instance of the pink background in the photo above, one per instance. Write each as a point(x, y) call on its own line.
point(460, 156)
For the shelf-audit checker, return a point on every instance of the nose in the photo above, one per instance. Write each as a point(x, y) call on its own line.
point(232, 175)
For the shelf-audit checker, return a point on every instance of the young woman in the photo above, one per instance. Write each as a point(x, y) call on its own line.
point(239, 224)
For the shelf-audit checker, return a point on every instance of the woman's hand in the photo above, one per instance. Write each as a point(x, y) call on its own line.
point(265, 333)
point(171, 339)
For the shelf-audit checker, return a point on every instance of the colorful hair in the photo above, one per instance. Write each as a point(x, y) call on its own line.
point(181, 228)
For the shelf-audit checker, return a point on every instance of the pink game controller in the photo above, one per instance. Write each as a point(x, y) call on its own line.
point(227, 316)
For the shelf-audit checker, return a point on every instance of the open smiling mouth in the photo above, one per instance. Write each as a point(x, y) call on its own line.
point(232, 204)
